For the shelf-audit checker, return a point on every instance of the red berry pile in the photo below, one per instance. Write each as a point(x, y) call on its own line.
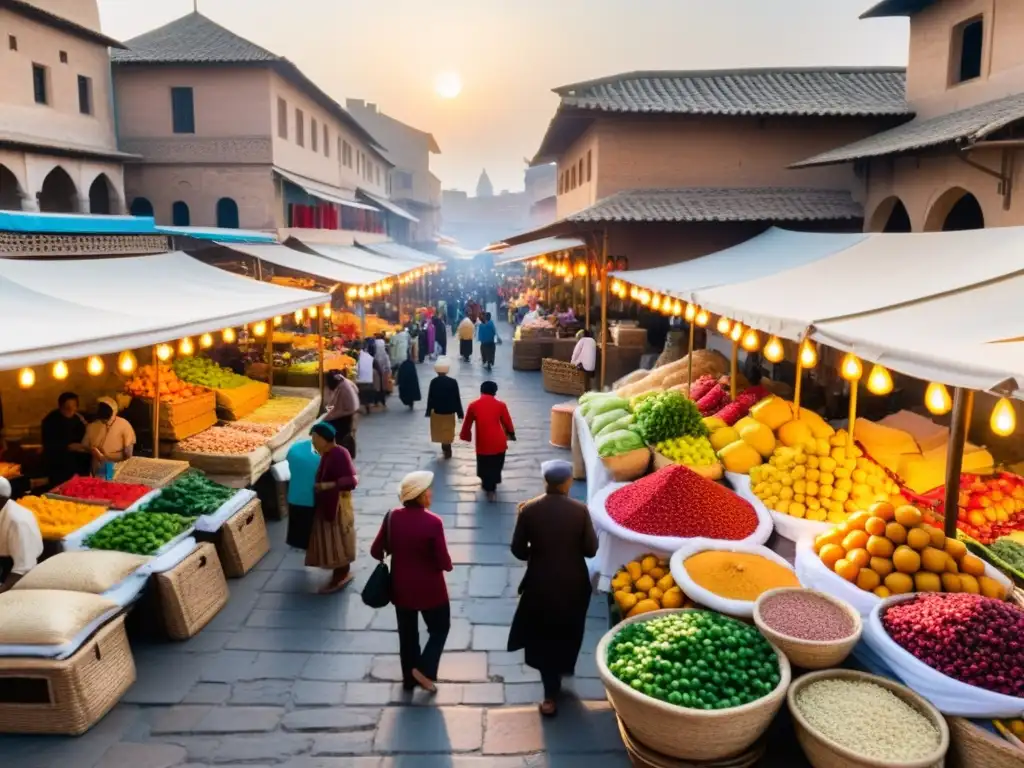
point(976, 640)
point(117, 495)
point(676, 501)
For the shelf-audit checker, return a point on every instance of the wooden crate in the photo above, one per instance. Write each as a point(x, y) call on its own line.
point(192, 592)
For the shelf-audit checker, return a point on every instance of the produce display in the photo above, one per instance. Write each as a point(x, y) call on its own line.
point(706, 363)
point(224, 440)
point(689, 451)
point(191, 495)
point(278, 411)
point(822, 479)
point(695, 659)
point(139, 533)
point(989, 507)
point(645, 585)
point(255, 428)
point(970, 638)
point(332, 361)
point(891, 551)
point(868, 720)
point(737, 575)
point(58, 518)
point(117, 495)
point(1010, 550)
point(172, 389)
point(675, 501)
point(618, 442)
point(9, 470)
point(806, 616)
point(667, 415)
point(205, 372)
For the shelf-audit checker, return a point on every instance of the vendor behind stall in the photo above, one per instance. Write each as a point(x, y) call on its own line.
point(21, 542)
point(110, 438)
point(63, 431)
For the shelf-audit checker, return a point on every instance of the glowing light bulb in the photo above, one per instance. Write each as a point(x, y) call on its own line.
point(615, 287)
point(259, 330)
point(186, 347)
point(581, 269)
point(737, 332)
point(206, 341)
point(937, 399)
point(751, 341)
point(724, 325)
point(852, 368)
point(94, 365)
point(353, 292)
point(634, 293)
point(60, 370)
point(879, 380)
point(690, 313)
point(164, 352)
point(361, 292)
point(773, 351)
point(278, 320)
point(656, 303)
point(645, 298)
point(702, 319)
point(126, 362)
point(327, 307)
point(312, 312)
point(229, 335)
point(1003, 420)
point(26, 378)
point(808, 354)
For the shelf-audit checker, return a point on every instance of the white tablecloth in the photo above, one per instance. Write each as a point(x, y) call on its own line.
point(598, 477)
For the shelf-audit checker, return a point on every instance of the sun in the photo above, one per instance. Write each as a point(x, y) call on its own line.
point(448, 85)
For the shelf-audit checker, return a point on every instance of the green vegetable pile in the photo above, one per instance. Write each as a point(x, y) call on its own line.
point(139, 533)
point(695, 659)
point(1010, 552)
point(667, 415)
point(191, 495)
point(206, 373)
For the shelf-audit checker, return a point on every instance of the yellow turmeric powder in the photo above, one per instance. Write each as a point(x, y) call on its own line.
point(738, 575)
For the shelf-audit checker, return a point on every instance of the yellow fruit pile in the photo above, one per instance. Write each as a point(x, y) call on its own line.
point(823, 479)
point(646, 585)
point(58, 518)
point(890, 551)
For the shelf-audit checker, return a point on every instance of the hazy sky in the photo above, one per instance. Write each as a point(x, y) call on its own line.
point(511, 53)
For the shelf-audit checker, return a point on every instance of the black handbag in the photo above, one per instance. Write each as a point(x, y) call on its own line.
point(377, 592)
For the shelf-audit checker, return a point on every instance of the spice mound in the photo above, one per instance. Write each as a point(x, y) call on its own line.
point(976, 640)
point(806, 616)
point(868, 719)
point(695, 659)
point(676, 501)
point(738, 575)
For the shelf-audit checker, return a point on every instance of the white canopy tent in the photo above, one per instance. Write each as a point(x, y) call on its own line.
point(516, 253)
point(357, 257)
point(773, 251)
point(300, 261)
point(398, 251)
point(104, 306)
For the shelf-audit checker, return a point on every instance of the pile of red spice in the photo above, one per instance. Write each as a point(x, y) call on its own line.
point(117, 495)
point(676, 501)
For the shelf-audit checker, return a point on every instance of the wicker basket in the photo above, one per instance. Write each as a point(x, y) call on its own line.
point(689, 734)
point(628, 466)
point(527, 354)
point(822, 752)
point(974, 747)
point(192, 592)
point(711, 471)
point(242, 541)
point(810, 654)
point(561, 378)
point(67, 696)
point(156, 473)
point(643, 756)
point(561, 424)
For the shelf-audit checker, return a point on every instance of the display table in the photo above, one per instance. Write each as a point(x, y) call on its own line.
point(597, 475)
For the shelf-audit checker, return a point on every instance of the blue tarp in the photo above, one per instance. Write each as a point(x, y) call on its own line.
point(219, 235)
point(75, 224)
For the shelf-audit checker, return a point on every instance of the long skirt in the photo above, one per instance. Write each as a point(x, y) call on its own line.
point(466, 347)
point(488, 469)
point(550, 630)
point(442, 428)
point(332, 543)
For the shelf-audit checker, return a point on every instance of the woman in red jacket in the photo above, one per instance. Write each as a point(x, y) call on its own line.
point(414, 537)
point(493, 431)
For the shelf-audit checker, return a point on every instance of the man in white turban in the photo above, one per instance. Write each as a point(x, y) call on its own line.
point(21, 542)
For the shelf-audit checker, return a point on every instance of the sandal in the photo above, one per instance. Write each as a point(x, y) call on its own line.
point(548, 708)
point(423, 681)
point(331, 588)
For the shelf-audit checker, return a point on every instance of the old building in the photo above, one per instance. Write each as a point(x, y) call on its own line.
point(957, 164)
point(58, 147)
point(541, 191)
point(413, 186)
point(233, 135)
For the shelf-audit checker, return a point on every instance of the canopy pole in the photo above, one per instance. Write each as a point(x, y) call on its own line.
point(156, 404)
point(798, 385)
point(320, 346)
point(734, 368)
point(854, 388)
point(604, 306)
point(689, 360)
point(362, 328)
point(963, 404)
point(270, 354)
point(586, 292)
point(547, 301)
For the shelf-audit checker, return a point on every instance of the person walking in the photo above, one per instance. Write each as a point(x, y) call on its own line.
point(332, 540)
point(444, 404)
point(342, 407)
point(494, 429)
point(584, 355)
point(487, 333)
point(408, 383)
point(554, 536)
point(440, 335)
point(465, 333)
point(303, 462)
point(414, 537)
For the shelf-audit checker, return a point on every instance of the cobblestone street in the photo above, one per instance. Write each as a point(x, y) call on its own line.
point(283, 677)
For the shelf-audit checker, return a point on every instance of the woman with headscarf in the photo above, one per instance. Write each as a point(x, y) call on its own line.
point(465, 333)
point(444, 404)
point(408, 383)
point(342, 407)
point(494, 429)
point(554, 536)
point(332, 540)
point(414, 537)
point(110, 438)
point(423, 349)
point(440, 335)
point(381, 372)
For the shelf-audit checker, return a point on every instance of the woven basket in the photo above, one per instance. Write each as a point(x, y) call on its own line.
point(561, 424)
point(192, 592)
point(689, 734)
point(823, 752)
point(67, 696)
point(561, 378)
point(628, 466)
point(156, 473)
point(810, 654)
point(711, 471)
point(242, 541)
point(643, 756)
point(974, 747)
point(528, 354)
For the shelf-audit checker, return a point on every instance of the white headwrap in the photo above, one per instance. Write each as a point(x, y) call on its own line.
point(414, 484)
point(443, 365)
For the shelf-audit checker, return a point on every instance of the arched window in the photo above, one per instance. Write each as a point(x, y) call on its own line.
point(180, 216)
point(100, 195)
point(227, 213)
point(58, 194)
point(141, 207)
point(954, 210)
point(10, 190)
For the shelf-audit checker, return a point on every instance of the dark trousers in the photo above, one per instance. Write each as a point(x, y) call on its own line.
point(487, 352)
point(438, 621)
point(552, 683)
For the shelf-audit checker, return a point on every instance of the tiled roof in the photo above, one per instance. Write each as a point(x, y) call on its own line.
point(59, 22)
point(967, 125)
point(758, 92)
point(888, 8)
point(720, 204)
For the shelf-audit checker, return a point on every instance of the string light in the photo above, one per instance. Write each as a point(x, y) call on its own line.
point(126, 362)
point(299, 316)
point(26, 378)
point(229, 335)
point(702, 319)
point(312, 313)
point(94, 365)
point(259, 330)
point(879, 380)
point(737, 332)
point(164, 352)
point(808, 354)
point(581, 269)
point(634, 292)
point(186, 347)
point(852, 368)
point(656, 303)
point(1003, 420)
point(937, 399)
point(773, 351)
point(206, 341)
point(690, 313)
point(751, 341)
point(278, 320)
point(352, 291)
point(60, 370)
point(645, 297)
point(724, 325)
point(327, 307)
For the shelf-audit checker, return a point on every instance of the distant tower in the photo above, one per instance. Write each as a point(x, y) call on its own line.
point(484, 188)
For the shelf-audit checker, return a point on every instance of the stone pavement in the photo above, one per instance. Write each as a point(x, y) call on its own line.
point(284, 677)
